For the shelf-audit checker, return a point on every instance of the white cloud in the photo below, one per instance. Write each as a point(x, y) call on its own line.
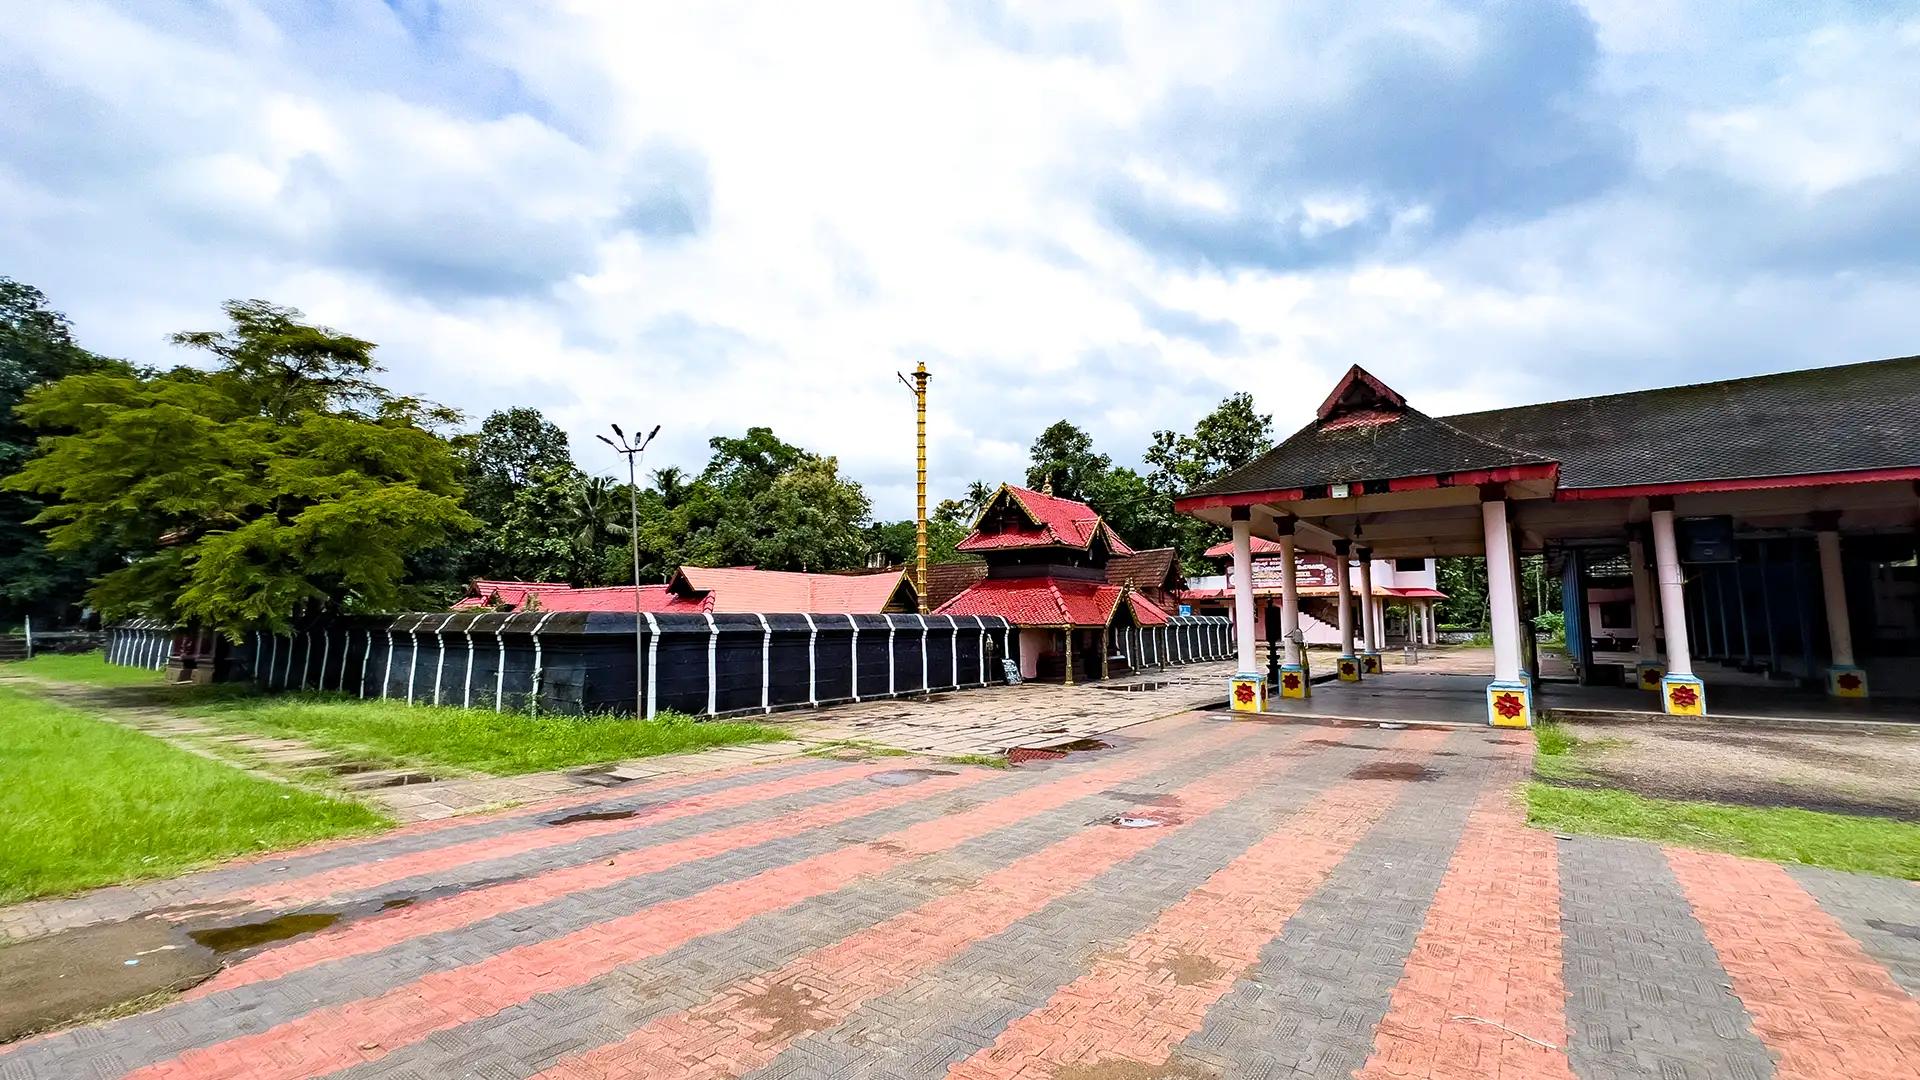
point(716, 215)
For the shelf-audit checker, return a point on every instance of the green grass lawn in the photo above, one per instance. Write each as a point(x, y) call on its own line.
point(1781, 834)
point(90, 668)
point(85, 802)
point(503, 744)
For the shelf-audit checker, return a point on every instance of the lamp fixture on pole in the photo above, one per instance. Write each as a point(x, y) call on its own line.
point(632, 453)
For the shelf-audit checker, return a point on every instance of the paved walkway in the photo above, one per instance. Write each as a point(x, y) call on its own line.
point(1209, 898)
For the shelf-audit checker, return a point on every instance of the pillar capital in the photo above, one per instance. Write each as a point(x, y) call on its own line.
point(1493, 493)
point(1826, 520)
point(1658, 503)
point(1363, 553)
point(1342, 547)
point(1241, 513)
point(1284, 525)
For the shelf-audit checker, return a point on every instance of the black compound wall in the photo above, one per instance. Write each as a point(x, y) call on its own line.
point(701, 665)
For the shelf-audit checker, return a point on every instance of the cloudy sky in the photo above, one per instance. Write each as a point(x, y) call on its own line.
point(722, 214)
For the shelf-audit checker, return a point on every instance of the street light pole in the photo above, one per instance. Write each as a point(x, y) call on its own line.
point(633, 454)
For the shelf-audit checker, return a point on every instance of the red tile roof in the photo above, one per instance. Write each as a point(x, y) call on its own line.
point(739, 589)
point(949, 579)
point(1053, 521)
point(1051, 601)
point(710, 589)
point(1261, 546)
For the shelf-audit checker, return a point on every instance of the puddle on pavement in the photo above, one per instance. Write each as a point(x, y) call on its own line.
point(594, 815)
point(1337, 742)
point(903, 777)
point(54, 980)
point(1904, 930)
point(1394, 770)
point(396, 902)
point(238, 936)
point(1143, 798)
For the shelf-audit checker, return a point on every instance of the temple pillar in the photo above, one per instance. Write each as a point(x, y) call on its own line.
point(1509, 698)
point(1068, 634)
point(1370, 659)
point(1844, 677)
point(1681, 692)
point(1106, 670)
point(1348, 665)
point(1648, 669)
point(1294, 680)
point(1247, 690)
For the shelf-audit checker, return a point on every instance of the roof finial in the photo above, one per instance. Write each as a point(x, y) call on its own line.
point(1046, 483)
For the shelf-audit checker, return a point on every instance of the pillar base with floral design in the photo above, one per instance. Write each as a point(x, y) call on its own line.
point(1647, 675)
point(1683, 695)
point(1294, 682)
point(1347, 667)
point(1248, 693)
point(1509, 704)
point(1370, 663)
point(1847, 681)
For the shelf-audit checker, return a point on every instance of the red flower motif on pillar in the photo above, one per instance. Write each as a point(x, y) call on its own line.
point(1243, 693)
point(1683, 697)
point(1346, 668)
point(1848, 681)
point(1508, 705)
point(1290, 681)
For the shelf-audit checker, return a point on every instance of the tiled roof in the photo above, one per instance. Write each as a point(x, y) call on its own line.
point(1150, 569)
point(1052, 521)
point(707, 589)
point(1050, 601)
point(561, 597)
point(1364, 434)
point(739, 589)
point(1833, 419)
point(1849, 418)
point(1261, 546)
point(949, 579)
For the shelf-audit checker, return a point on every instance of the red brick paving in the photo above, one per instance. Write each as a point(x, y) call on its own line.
point(368, 1029)
point(1819, 1002)
point(727, 1036)
point(1154, 990)
point(464, 909)
point(370, 875)
point(1490, 951)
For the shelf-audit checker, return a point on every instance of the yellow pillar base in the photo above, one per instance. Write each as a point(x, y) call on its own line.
point(1248, 693)
point(1370, 662)
point(1348, 668)
point(1847, 682)
point(1683, 695)
point(1510, 705)
point(1294, 683)
point(1648, 673)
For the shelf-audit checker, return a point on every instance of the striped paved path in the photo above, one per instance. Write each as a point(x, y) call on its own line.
point(1210, 898)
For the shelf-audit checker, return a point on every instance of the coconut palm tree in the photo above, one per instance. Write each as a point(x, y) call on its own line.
point(595, 514)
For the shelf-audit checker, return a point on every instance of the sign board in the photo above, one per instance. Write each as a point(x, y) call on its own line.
point(1310, 572)
point(1186, 609)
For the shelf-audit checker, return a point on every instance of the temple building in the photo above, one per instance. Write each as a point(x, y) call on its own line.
point(1410, 584)
point(1044, 567)
point(1758, 533)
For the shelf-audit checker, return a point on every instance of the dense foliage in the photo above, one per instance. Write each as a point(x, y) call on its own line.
point(284, 482)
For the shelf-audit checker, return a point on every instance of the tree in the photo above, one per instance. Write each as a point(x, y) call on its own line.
point(1231, 436)
point(1064, 456)
point(284, 483)
point(36, 347)
point(512, 448)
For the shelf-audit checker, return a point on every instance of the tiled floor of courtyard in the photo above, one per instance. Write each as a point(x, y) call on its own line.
point(1210, 897)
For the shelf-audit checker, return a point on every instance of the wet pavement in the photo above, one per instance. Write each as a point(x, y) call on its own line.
point(1204, 896)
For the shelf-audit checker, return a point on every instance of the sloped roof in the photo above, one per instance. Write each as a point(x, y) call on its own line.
point(949, 579)
point(1261, 546)
point(1154, 568)
point(1050, 601)
point(1793, 423)
point(563, 597)
point(710, 589)
point(742, 589)
point(1052, 521)
point(1364, 431)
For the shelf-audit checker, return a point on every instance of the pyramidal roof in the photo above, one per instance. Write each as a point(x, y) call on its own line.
point(1363, 431)
point(1048, 521)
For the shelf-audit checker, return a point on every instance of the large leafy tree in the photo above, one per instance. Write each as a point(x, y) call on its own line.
point(1063, 455)
point(36, 348)
point(520, 479)
point(286, 482)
